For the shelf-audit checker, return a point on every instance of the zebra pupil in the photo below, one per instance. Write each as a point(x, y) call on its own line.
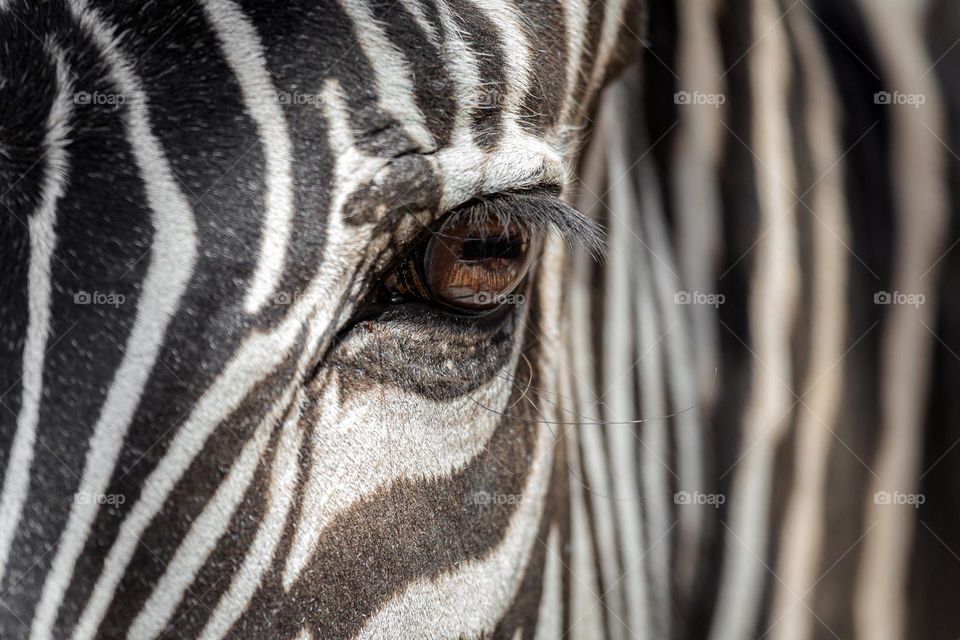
point(500, 248)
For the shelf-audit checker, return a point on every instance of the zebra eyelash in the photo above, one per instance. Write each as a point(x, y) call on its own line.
point(539, 211)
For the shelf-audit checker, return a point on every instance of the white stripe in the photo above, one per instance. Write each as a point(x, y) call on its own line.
point(595, 463)
point(429, 30)
point(259, 556)
point(918, 171)
point(687, 425)
point(695, 183)
point(618, 370)
point(586, 614)
point(251, 364)
point(172, 256)
point(244, 53)
point(479, 590)
point(257, 358)
point(43, 240)
point(655, 463)
point(550, 618)
point(575, 15)
point(516, 58)
point(391, 72)
point(800, 559)
point(354, 455)
point(613, 20)
point(772, 308)
point(205, 532)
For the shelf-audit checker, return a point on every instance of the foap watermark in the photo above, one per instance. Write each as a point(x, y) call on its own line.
point(699, 498)
point(97, 97)
point(111, 499)
point(490, 298)
point(285, 298)
point(896, 297)
point(486, 498)
point(489, 98)
point(299, 97)
point(699, 99)
point(699, 297)
point(108, 298)
point(896, 498)
point(912, 99)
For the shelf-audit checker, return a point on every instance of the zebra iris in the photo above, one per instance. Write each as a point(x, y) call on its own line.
point(467, 266)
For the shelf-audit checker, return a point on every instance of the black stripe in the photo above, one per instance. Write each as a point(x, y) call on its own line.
point(433, 87)
point(27, 78)
point(740, 222)
point(660, 107)
point(784, 467)
point(217, 163)
point(309, 43)
point(524, 611)
point(183, 506)
point(27, 73)
point(104, 238)
point(872, 227)
point(483, 39)
point(591, 43)
point(412, 529)
point(545, 28)
point(934, 571)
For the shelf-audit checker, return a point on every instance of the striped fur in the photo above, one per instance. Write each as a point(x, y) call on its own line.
point(204, 434)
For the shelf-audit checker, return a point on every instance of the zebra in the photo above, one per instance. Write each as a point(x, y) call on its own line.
point(479, 318)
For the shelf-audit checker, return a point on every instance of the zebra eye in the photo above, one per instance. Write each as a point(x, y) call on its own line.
point(467, 266)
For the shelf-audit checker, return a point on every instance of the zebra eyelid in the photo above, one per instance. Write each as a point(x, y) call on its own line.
point(539, 210)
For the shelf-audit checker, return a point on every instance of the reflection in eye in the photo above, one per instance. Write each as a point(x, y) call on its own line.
point(468, 266)
point(476, 268)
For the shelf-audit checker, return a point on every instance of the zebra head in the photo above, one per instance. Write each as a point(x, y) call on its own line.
point(283, 336)
point(301, 336)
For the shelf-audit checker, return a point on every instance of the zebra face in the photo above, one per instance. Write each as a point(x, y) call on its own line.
point(285, 295)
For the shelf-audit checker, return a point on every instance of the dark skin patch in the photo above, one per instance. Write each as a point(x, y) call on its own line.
point(407, 184)
point(426, 351)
